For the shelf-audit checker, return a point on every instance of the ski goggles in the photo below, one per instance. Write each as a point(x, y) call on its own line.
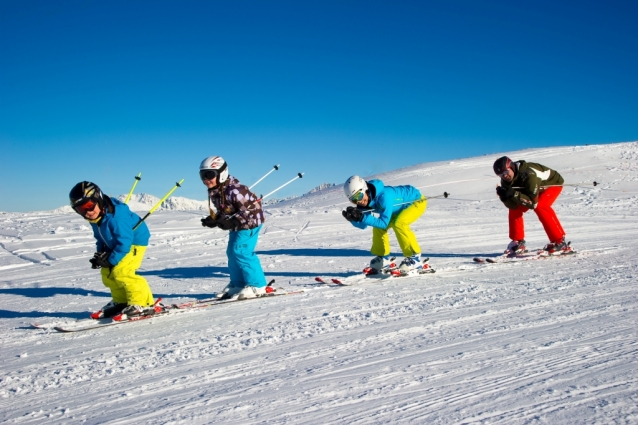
point(208, 174)
point(86, 207)
point(356, 197)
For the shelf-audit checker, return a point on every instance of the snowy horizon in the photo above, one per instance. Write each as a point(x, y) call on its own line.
point(549, 341)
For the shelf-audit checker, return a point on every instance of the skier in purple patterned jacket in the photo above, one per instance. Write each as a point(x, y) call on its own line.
point(238, 211)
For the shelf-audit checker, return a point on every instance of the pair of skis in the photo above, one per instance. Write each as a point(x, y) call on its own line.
point(388, 271)
point(394, 271)
point(538, 254)
point(89, 324)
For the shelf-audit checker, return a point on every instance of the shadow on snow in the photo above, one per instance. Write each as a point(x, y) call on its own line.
point(330, 252)
point(7, 314)
point(222, 272)
point(188, 272)
point(53, 291)
point(317, 252)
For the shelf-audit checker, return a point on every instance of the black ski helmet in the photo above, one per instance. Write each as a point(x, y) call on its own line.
point(84, 192)
point(502, 164)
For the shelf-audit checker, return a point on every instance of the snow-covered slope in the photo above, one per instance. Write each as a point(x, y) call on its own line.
point(552, 341)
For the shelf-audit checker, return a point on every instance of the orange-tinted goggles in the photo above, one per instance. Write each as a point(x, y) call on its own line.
point(85, 207)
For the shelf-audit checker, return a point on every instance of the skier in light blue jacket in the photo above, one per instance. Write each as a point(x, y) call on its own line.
point(397, 207)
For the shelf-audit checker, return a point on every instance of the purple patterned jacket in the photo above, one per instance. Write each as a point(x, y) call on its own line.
point(233, 197)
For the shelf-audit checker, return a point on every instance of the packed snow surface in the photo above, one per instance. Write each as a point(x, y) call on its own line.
point(550, 341)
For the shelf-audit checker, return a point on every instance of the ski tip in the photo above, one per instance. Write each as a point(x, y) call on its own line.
point(337, 281)
point(478, 260)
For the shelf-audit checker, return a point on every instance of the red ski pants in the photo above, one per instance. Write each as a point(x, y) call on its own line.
point(545, 214)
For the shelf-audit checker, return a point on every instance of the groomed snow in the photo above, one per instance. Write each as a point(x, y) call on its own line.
point(551, 341)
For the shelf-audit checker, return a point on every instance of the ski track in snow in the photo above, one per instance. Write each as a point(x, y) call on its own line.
point(552, 341)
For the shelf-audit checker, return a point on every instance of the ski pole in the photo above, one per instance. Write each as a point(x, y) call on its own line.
point(137, 179)
point(178, 184)
point(299, 175)
point(569, 184)
point(444, 194)
point(275, 168)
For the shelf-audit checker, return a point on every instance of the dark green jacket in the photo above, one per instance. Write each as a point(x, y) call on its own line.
point(529, 180)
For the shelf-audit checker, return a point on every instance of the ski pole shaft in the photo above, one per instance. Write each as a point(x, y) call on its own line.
point(299, 175)
point(137, 179)
point(568, 184)
point(178, 184)
point(275, 168)
point(444, 194)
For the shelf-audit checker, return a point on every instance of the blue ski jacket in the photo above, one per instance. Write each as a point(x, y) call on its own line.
point(114, 233)
point(384, 201)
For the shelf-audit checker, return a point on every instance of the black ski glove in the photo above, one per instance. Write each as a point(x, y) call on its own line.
point(352, 214)
point(209, 221)
point(505, 193)
point(227, 223)
point(100, 260)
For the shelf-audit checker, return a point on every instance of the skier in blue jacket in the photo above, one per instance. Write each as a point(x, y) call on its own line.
point(397, 207)
point(120, 251)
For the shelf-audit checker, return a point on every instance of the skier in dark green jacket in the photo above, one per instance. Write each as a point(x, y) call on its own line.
point(525, 186)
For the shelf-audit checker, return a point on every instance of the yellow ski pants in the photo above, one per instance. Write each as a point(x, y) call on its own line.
point(125, 285)
point(401, 225)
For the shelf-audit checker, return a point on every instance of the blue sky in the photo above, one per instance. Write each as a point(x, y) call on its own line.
point(101, 91)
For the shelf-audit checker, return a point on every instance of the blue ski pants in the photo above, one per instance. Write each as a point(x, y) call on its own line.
point(243, 264)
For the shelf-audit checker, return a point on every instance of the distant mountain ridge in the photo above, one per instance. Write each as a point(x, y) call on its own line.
point(174, 203)
point(143, 202)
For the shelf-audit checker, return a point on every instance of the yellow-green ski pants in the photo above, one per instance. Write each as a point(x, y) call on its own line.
point(125, 285)
point(401, 225)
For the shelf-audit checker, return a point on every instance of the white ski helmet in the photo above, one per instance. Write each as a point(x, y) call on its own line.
point(353, 185)
point(214, 166)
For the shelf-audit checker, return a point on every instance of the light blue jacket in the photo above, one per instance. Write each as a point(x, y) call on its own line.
point(385, 203)
point(115, 233)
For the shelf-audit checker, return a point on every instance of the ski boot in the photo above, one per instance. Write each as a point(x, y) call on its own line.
point(109, 310)
point(379, 265)
point(408, 265)
point(516, 248)
point(253, 292)
point(132, 311)
point(558, 248)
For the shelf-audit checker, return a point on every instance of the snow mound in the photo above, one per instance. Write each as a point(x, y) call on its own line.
point(145, 201)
